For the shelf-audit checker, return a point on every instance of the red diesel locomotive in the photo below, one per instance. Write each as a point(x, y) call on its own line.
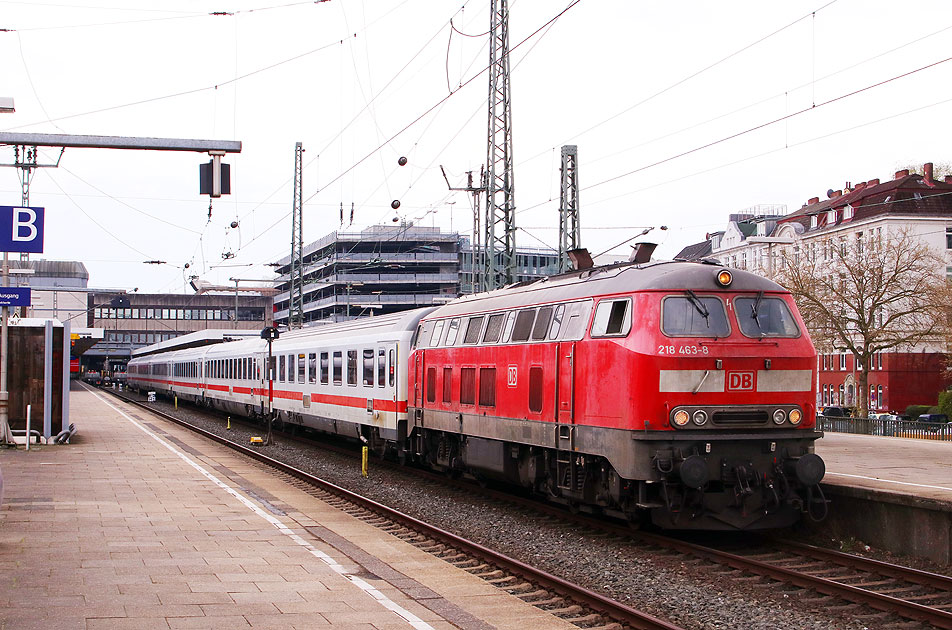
point(683, 389)
point(680, 390)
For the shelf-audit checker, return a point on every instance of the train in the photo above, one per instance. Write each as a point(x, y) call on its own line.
point(672, 392)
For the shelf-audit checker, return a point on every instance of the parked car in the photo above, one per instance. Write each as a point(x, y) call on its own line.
point(934, 418)
point(837, 412)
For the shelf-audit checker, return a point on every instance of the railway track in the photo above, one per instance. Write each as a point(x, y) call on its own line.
point(569, 601)
point(887, 589)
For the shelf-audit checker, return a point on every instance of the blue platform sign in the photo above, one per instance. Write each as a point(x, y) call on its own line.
point(21, 229)
point(14, 296)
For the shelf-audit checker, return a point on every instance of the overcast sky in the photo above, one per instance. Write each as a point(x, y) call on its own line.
point(678, 111)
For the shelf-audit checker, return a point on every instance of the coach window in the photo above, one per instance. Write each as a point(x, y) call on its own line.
point(473, 327)
point(351, 367)
point(381, 367)
point(541, 327)
point(612, 318)
point(431, 384)
point(447, 384)
point(281, 368)
point(392, 361)
point(523, 327)
point(312, 367)
point(290, 368)
point(338, 368)
point(487, 387)
point(302, 368)
point(467, 386)
point(369, 367)
point(437, 332)
point(493, 328)
point(452, 332)
point(324, 369)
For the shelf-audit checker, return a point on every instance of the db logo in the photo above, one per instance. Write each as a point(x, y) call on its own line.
point(511, 377)
point(740, 381)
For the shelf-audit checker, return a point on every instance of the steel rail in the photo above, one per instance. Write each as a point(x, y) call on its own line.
point(603, 605)
point(934, 616)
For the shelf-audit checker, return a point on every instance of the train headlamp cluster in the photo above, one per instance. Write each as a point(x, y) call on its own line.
point(681, 418)
point(688, 417)
point(795, 416)
point(699, 417)
point(779, 416)
point(724, 278)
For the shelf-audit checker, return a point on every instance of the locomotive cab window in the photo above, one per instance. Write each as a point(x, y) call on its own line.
point(437, 332)
point(694, 316)
point(612, 318)
point(765, 317)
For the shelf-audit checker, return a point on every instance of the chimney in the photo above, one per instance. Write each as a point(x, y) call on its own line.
point(927, 172)
point(873, 182)
point(813, 200)
point(901, 174)
point(847, 187)
point(836, 193)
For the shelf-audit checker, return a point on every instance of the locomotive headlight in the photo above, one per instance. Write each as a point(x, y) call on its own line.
point(724, 278)
point(795, 416)
point(779, 416)
point(681, 418)
point(700, 417)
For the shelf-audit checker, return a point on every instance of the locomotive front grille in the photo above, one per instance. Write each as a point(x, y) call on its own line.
point(739, 417)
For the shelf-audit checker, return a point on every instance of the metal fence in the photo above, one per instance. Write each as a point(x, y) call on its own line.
point(891, 428)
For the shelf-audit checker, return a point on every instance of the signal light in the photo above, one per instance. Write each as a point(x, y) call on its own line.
point(724, 278)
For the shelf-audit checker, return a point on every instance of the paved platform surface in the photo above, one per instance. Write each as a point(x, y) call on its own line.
point(141, 525)
point(908, 466)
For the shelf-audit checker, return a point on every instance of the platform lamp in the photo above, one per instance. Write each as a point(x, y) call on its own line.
point(270, 334)
point(6, 436)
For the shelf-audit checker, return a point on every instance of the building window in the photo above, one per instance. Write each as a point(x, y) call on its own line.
point(842, 361)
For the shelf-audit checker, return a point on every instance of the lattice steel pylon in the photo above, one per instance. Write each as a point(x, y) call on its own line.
point(499, 240)
point(570, 232)
point(296, 310)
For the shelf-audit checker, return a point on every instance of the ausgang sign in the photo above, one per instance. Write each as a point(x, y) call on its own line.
point(15, 296)
point(21, 229)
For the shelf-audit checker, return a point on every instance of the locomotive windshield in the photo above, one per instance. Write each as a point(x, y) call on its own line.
point(694, 316)
point(765, 317)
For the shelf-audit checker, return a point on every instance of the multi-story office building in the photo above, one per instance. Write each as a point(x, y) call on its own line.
point(134, 320)
point(385, 269)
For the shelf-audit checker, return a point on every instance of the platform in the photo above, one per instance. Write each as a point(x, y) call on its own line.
point(907, 466)
point(140, 525)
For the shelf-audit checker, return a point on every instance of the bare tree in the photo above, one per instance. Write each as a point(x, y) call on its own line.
point(866, 295)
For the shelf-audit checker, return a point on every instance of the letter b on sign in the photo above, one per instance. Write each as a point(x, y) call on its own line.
point(740, 381)
point(21, 229)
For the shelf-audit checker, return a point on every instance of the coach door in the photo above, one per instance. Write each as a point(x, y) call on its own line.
point(565, 386)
